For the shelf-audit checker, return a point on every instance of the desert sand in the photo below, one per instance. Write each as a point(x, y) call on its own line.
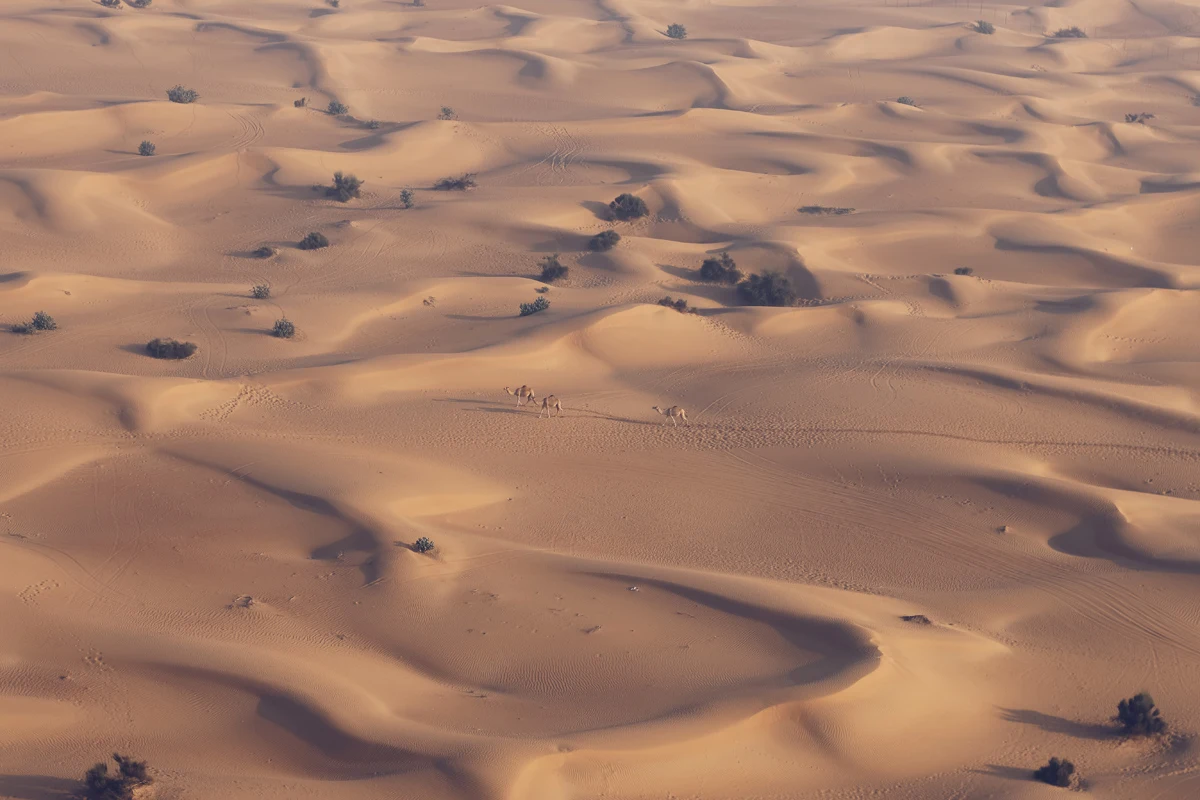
point(984, 408)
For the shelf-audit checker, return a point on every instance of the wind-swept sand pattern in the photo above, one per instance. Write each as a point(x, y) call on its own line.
point(983, 415)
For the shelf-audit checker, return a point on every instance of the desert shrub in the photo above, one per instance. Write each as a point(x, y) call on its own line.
point(260, 291)
point(1073, 32)
point(963, 271)
point(284, 328)
point(170, 348)
point(447, 113)
point(552, 269)
point(264, 252)
point(43, 322)
point(180, 94)
point(628, 206)
point(313, 241)
point(146, 148)
point(111, 3)
point(337, 109)
point(829, 211)
point(768, 289)
point(1139, 716)
point(418, 3)
point(605, 240)
point(676, 31)
point(423, 545)
point(721, 269)
point(541, 304)
point(344, 187)
point(905, 100)
point(1057, 772)
point(459, 184)
point(301, 103)
point(406, 198)
point(917, 619)
point(374, 125)
point(140, 3)
point(679, 305)
point(982, 26)
point(335, 3)
point(99, 784)
point(1141, 117)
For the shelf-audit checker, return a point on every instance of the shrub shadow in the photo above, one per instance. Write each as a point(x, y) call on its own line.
point(1061, 725)
point(38, 787)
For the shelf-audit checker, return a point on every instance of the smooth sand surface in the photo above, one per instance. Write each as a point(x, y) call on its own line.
point(210, 563)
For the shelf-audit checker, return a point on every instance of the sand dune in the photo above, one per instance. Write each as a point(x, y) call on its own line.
point(923, 530)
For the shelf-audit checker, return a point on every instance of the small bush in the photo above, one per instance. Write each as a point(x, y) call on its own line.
point(100, 785)
point(335, 3)
point(111, 3)
point(406, 198)
point(1073, 32)
point(1141, 118)
point(679, 305)
point(301, 103)
point(552, 269)
point(284, 328)
point(140, 3)
point(337, 109)
point(264, 252)
point(541, 304)
point(43, 322)
point(170, 348)
point(146, 148)
point(768, 289)
point(418, 3)
point(313, 241)
point(460, 184)
point(260, 291)
point(722, 269)
point(963, 271)
point(628, 206)
point(423, 545)
point(605, 240)
point(344, 187)
point(1139, 716)
point(676, 31)
point(180, 94)
point(1057, 772)
point(982, 26)
point(447, 113)
point(828, 211)
point(907, 101)
point(374, 125)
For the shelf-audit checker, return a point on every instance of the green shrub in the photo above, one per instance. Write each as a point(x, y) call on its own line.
point(337, 109)
point(100, 785)
point(260, 291)
point(301, 103)
point(423, 544)
point(985, 27)
point(907, 101)
point(179, 94)
point(1073, 32)
point(541, 304)
point(1139, 716)
point(605, 240)
point(679, 305)
point(1057, 772)
point(628, 206)
point(140, 3)
point(41, 322)
point(722, 269)
point(963, 271)
point(676, 31)
point(146, 148)
point(552, 269)
point(406, 198)
point(284, 328)
point(1141, 117)
point(111, 3)
point(313, 241)
point(344, 187)
point(768, 289)
point(374, 125)
point(170, 348)
point(459, 184)
point(447, 113)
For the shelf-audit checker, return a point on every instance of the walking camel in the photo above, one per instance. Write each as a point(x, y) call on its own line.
point(550, 402)
point(672, 413)
point(521, 393)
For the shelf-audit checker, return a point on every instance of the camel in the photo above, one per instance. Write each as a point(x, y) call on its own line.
point(521, 393)
point(550, 402)
point(673, 412)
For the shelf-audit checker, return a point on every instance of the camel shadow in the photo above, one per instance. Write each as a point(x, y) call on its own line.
point(1052, 724)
